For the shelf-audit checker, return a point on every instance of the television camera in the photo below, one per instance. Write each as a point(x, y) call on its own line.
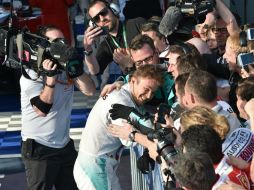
point(196, 9)
point(22, 49)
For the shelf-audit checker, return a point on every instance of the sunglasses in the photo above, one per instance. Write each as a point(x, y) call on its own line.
point(103, 13)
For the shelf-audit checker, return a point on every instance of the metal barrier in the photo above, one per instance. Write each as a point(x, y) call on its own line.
point(140, 181)
point(137, 178)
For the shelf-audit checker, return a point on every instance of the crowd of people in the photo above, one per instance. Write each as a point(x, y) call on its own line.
point(184, 105)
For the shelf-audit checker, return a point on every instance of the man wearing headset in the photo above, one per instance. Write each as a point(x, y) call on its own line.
point(113, 47)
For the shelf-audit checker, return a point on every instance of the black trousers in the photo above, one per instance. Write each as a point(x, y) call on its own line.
point(47, 167)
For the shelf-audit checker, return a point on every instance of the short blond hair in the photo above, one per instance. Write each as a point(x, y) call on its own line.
point(233, 42)
point(201, 115)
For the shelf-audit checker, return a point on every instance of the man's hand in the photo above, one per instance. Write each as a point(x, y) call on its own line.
point(50, 69)
point(90, 35)
point(153, 150)
point(123, 59)
point(168, 119)
point(121, 132)
point(249, 73)
point(178, 141)
point(238, 162)
point(110, 87)
point(229, 185)
point(120, 111)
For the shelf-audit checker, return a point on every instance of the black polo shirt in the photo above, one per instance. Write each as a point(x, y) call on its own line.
point(106, 49)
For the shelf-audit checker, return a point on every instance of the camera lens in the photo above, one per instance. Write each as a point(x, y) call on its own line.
point(168, 153)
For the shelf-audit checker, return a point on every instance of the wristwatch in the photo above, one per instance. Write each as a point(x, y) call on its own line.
point(132, 136)
point(89, 52)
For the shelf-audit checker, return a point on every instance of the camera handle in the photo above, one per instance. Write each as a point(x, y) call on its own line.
point(20, 55)
point(169, 183)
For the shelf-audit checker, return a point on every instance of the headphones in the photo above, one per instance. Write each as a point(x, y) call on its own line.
point(115, 9)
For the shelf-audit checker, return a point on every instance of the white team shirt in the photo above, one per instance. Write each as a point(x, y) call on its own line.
point(96, 140)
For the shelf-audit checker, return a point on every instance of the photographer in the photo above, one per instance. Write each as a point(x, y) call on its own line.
point(106, 21)
point(221, 23)
point(46, 103)
point(154, 174)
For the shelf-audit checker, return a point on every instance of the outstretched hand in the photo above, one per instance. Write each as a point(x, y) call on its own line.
point(110, 87)
point(120, 111)
point(229, 185)
point(123, 59)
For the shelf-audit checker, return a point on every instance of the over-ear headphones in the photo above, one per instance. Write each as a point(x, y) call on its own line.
point(115, 9)
point(243, 38)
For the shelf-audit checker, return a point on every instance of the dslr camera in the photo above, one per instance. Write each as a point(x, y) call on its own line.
point(22, 49)
point(165, 146)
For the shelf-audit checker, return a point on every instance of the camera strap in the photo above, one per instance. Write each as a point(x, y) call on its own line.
point(20, 55)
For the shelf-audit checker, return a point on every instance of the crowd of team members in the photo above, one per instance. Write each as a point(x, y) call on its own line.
point(210, 95)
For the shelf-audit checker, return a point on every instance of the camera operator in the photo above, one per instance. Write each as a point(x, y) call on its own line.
point(115, 44)
point(46, 103)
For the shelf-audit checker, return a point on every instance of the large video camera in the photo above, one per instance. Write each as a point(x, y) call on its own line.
point(195, 8)
point(21, 48)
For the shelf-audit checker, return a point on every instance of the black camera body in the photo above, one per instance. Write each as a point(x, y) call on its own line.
point(165, 146)
point(22, 48)
point(195, 8)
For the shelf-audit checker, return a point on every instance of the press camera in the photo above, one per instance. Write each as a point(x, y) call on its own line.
point(165, 146)
point(195, 8)
point(21, 48)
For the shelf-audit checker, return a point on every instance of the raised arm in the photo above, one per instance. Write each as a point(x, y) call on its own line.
point(228, 17)
point(89, 39)
point(85, 84)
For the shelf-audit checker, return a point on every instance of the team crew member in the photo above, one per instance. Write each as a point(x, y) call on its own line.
point(113, 47)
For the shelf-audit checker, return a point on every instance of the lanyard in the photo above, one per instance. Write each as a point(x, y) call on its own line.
point(124, 38)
